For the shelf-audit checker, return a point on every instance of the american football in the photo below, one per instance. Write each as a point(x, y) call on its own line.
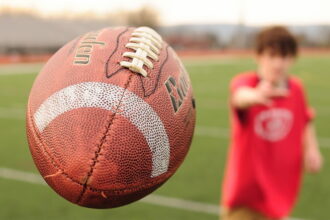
point(110, 117)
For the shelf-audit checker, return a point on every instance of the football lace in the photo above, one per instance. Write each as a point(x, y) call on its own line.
point(146, 44)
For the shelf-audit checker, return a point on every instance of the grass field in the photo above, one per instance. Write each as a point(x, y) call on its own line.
point(198, 179)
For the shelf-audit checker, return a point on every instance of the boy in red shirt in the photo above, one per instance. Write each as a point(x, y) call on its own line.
point(273, 137)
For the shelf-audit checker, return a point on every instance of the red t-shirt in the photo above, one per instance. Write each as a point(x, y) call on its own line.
point(265, 158)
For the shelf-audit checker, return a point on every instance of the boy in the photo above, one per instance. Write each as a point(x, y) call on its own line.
point(272, 134)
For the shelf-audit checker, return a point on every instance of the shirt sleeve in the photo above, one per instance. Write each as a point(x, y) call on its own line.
point(239, 81)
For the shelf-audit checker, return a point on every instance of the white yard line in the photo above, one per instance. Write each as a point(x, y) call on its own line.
point(33, 68)
point(217, 132)
point(215, 104)
point(207, 62)
point(23, 176)
point(182, 204)
point(12, 113)
point(28, 177)
point(153, 199)
point(18, 69)
point(206, 131)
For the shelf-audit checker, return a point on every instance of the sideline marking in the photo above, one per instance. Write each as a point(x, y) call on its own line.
point(166, 201)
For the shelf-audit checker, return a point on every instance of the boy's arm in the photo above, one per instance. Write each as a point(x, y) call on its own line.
point(245, 97)
point(312, 156)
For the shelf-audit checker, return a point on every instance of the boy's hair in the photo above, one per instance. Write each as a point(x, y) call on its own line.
point(278, 40)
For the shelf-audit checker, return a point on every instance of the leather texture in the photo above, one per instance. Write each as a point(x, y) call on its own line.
point(98, 132)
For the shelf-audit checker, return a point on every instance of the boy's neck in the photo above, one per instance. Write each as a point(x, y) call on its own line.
point(281, 82)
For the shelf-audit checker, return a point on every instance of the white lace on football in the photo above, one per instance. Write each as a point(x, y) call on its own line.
point(146, 44)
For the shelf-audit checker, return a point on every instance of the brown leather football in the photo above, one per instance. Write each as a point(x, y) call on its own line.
point(110, 117)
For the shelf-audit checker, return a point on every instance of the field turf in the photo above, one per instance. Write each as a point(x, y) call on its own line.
point(198, 179)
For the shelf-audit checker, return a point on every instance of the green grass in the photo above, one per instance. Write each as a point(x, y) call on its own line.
point(199, 178)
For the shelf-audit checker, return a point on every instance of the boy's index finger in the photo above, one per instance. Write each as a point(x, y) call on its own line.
point(268, 89)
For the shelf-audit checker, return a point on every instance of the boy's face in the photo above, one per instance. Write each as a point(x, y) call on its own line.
point(273, 67)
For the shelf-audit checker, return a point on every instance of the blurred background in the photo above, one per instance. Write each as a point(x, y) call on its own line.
point(214, 40)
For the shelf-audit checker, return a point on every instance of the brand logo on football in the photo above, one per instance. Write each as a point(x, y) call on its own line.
point(85, 48)
point(177, 91)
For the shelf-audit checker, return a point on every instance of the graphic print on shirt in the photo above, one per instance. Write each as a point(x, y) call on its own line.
point(273, 124)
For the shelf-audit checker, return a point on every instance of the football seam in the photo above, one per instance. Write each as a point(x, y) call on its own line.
point(98, 152)
point(113, 52)
point(46, 153)
point(71, 179)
